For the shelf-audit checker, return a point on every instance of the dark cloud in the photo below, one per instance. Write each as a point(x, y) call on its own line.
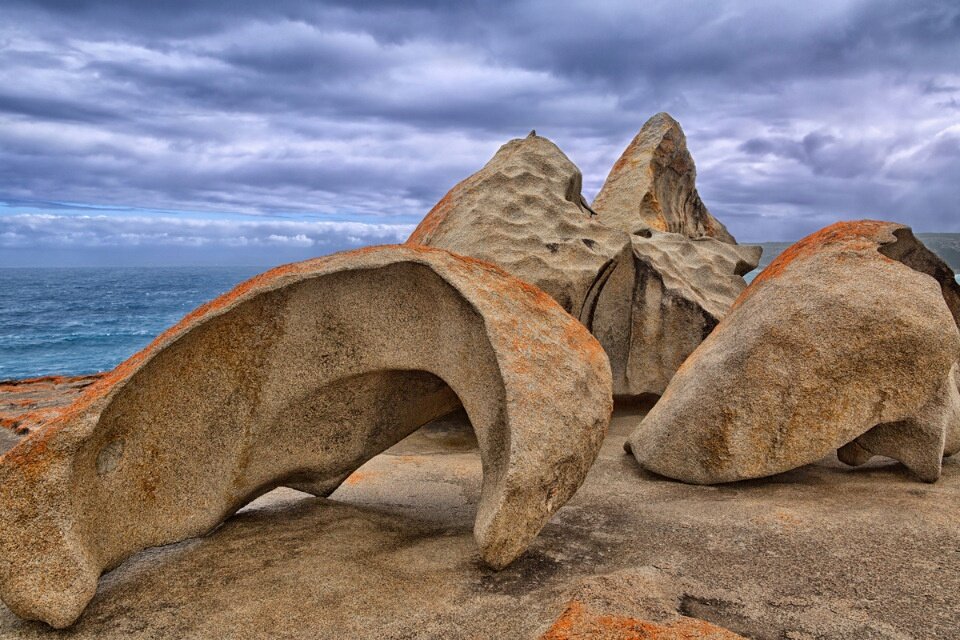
point(798, 113)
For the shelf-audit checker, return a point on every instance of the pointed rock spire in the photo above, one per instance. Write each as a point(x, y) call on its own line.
point(653, 184)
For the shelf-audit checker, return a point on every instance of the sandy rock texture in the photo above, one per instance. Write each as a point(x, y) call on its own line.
point(653, 185)
point(848, 340)
point(819, 552)
point(650, 297)
point(296, 378)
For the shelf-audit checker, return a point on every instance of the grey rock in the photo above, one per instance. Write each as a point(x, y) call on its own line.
point(848, 340)
point(657, 306)
point(296, 378)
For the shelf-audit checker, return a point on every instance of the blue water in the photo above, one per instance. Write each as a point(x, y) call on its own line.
point(83, 320)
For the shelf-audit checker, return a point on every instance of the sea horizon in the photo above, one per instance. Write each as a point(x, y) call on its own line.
point(80, 320)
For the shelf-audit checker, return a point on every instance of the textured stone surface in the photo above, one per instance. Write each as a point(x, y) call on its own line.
point(296, 378)
point(27, 404)
point(650, 299)
point(653, 185)
point(655, 308)
point(845, 341)
point(825, 551)
point(524, 212)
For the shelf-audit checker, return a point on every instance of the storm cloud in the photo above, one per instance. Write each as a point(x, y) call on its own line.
point(287, 112)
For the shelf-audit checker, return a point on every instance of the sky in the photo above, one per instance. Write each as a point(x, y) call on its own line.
point(251, 132)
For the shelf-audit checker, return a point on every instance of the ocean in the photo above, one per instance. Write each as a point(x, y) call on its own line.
point(83, 320)
point(73, 321)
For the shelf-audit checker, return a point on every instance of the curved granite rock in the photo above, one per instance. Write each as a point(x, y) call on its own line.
point(653, 184)
point(296, 378)
point(846, 341)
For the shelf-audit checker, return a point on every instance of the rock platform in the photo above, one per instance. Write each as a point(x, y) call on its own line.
point(823, 551)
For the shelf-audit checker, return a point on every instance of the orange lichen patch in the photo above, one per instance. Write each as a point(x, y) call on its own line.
point(357, 477)
point(435, 217)
point(637, 152)
point(465, 265)
point(629, 158)
point(856, 235)
point(710, 227)
point(30, 458)
point(23, 423)
point(24, 385)
point(578, 622)
point(27, 405)
point(581, 340)
point(658, 223)
point(409, 459)
point(787, 518)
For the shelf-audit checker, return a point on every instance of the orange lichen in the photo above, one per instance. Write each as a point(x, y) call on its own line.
point(578, 622)
point(581, 340)
point(627, 158)
point(30, 458)
point(25, 422)
point(435, 217)
point(46, 382)
point(856, 235)
point(357, 477)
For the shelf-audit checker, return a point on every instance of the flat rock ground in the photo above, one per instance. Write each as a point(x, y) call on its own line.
point(821, 552)
point(25, 404)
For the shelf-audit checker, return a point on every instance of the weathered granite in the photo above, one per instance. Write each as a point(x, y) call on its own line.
point(650, 298)
point(296, 378)
point(846, 341)
point(524, 212)
point(653, 185)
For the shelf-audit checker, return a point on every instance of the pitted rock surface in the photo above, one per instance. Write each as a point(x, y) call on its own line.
point(524, 212)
